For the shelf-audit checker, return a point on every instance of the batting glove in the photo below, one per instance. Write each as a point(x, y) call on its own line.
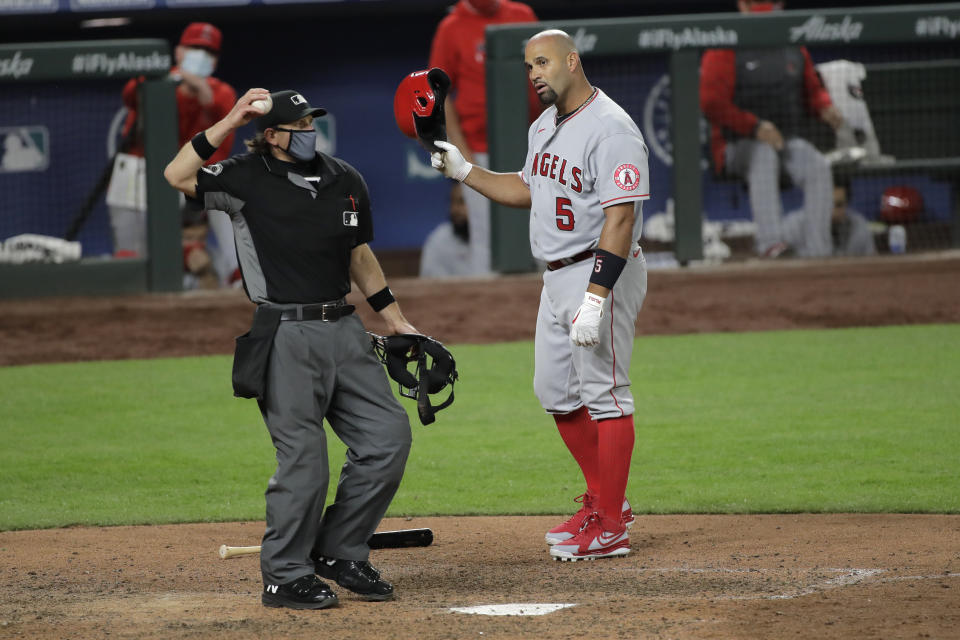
point(450, 162)
point(585, 331)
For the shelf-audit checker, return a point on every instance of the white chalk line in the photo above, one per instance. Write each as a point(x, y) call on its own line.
point(933, 577)
point(848, 577)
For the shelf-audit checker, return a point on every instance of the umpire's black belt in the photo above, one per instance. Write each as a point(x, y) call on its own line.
point(563, 262)
point(324, 311)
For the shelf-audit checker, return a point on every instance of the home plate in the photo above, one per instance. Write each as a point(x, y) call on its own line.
point(519, 609)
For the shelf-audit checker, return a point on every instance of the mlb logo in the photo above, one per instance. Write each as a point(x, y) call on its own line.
point(349, 218)
point(298, 99)
point(24, 149)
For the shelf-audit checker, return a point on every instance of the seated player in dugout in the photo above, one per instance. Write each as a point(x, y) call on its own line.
point(198, 271)
point(446, 251)
point(850, 231)
point(302, 221)
point(757, 101)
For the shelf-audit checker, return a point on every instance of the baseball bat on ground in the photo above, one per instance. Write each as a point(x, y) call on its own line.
point(379, 540)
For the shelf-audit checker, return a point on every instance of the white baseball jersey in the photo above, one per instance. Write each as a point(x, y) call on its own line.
point(595, 158)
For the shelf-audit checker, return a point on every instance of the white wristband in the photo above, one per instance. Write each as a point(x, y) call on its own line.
point(593, 300)
point(461, 175)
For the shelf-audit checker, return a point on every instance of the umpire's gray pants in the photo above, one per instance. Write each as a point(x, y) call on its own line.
point(328, 370)
point(759, 164)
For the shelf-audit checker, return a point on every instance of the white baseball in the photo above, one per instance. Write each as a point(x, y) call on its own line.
point(264, 105)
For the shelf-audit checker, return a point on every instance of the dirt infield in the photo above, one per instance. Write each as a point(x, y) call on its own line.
point(792, 576)
point(744, 297)
point(761, 576)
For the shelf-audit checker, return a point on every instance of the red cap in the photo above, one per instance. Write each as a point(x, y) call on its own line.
point(202, 34)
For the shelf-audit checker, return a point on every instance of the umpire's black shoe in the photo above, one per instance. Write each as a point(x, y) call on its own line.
point(358, 576)
point(307, 592)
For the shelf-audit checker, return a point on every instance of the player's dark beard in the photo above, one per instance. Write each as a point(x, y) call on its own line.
point(461, 230)
point(548, 97)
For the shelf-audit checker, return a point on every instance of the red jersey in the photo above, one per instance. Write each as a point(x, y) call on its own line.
point(459, 48)
point(191, 115)
point(718, 82)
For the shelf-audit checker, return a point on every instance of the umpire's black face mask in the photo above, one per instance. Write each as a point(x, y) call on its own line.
point(303, 143)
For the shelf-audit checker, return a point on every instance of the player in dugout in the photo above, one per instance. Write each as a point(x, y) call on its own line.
point(757, 101)
point(202, 99)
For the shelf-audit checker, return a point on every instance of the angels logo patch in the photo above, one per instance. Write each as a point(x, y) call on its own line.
point(214, 169)
point(627, 177)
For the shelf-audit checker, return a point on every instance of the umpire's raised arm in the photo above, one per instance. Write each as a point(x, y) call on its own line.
point(181, 173)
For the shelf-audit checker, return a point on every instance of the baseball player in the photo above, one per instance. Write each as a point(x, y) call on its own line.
point(302, 221)
point(584, 181)
point(202, 100)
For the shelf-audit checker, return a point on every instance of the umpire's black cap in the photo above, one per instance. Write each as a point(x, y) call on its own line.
point(288, 106)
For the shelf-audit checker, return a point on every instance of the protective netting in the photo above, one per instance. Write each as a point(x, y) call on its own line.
point(896, 157)
point(55, 143)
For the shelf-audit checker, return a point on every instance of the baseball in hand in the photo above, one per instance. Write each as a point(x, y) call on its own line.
point(263, 106)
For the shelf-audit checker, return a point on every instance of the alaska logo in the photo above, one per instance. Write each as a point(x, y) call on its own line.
point(16, 66)
point(817, 29)
point(684, 38)
point(585, 42)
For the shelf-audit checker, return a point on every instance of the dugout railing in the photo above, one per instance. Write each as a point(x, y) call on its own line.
point(616, 50)
point(33, 74)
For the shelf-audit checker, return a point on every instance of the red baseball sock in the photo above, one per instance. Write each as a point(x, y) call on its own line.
point(614, 447)
point(579, 433)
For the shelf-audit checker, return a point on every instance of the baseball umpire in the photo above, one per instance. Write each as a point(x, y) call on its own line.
point(302, 222)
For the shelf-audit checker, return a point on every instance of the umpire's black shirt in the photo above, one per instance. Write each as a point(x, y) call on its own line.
point(295, 224)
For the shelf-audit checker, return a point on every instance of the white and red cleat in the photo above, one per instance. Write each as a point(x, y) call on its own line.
point(570, 528)
point(593, 541)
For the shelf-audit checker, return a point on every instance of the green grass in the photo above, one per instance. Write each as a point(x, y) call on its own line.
point(864, 420)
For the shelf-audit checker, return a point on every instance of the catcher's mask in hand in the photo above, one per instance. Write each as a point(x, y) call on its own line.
point(398, 351)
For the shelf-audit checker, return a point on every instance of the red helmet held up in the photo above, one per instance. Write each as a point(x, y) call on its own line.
point(418, 106)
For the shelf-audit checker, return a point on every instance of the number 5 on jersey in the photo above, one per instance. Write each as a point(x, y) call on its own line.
point(565, 219)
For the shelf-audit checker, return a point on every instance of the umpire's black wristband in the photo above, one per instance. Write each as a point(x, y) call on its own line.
point(381, 299)
point(202, 146)
point(606, 268)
